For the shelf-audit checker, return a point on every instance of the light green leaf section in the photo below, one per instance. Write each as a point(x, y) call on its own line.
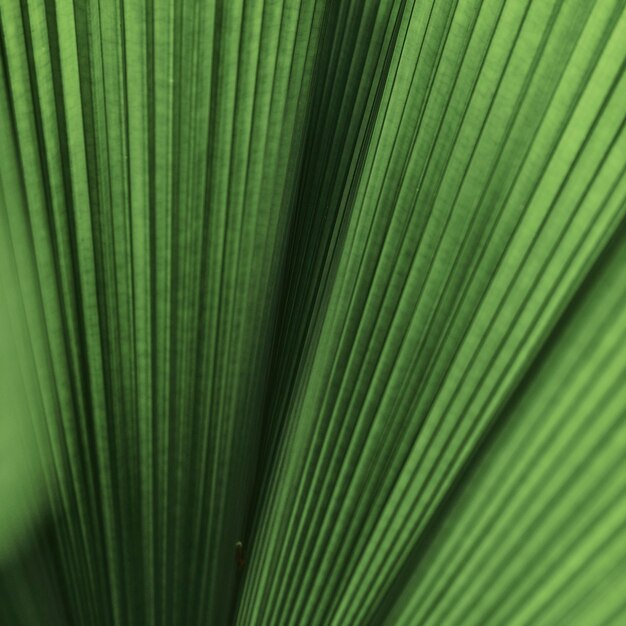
point(341, 281)
point(537, 535)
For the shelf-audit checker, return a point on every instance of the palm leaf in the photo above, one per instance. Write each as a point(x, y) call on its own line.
point(319, 310)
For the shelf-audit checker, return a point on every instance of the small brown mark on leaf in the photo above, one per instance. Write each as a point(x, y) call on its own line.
point(239, 555)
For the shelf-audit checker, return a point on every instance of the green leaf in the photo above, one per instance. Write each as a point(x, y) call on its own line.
point(320, 311)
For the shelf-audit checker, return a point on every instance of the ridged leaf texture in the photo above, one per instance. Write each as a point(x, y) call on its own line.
point(313, 312)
